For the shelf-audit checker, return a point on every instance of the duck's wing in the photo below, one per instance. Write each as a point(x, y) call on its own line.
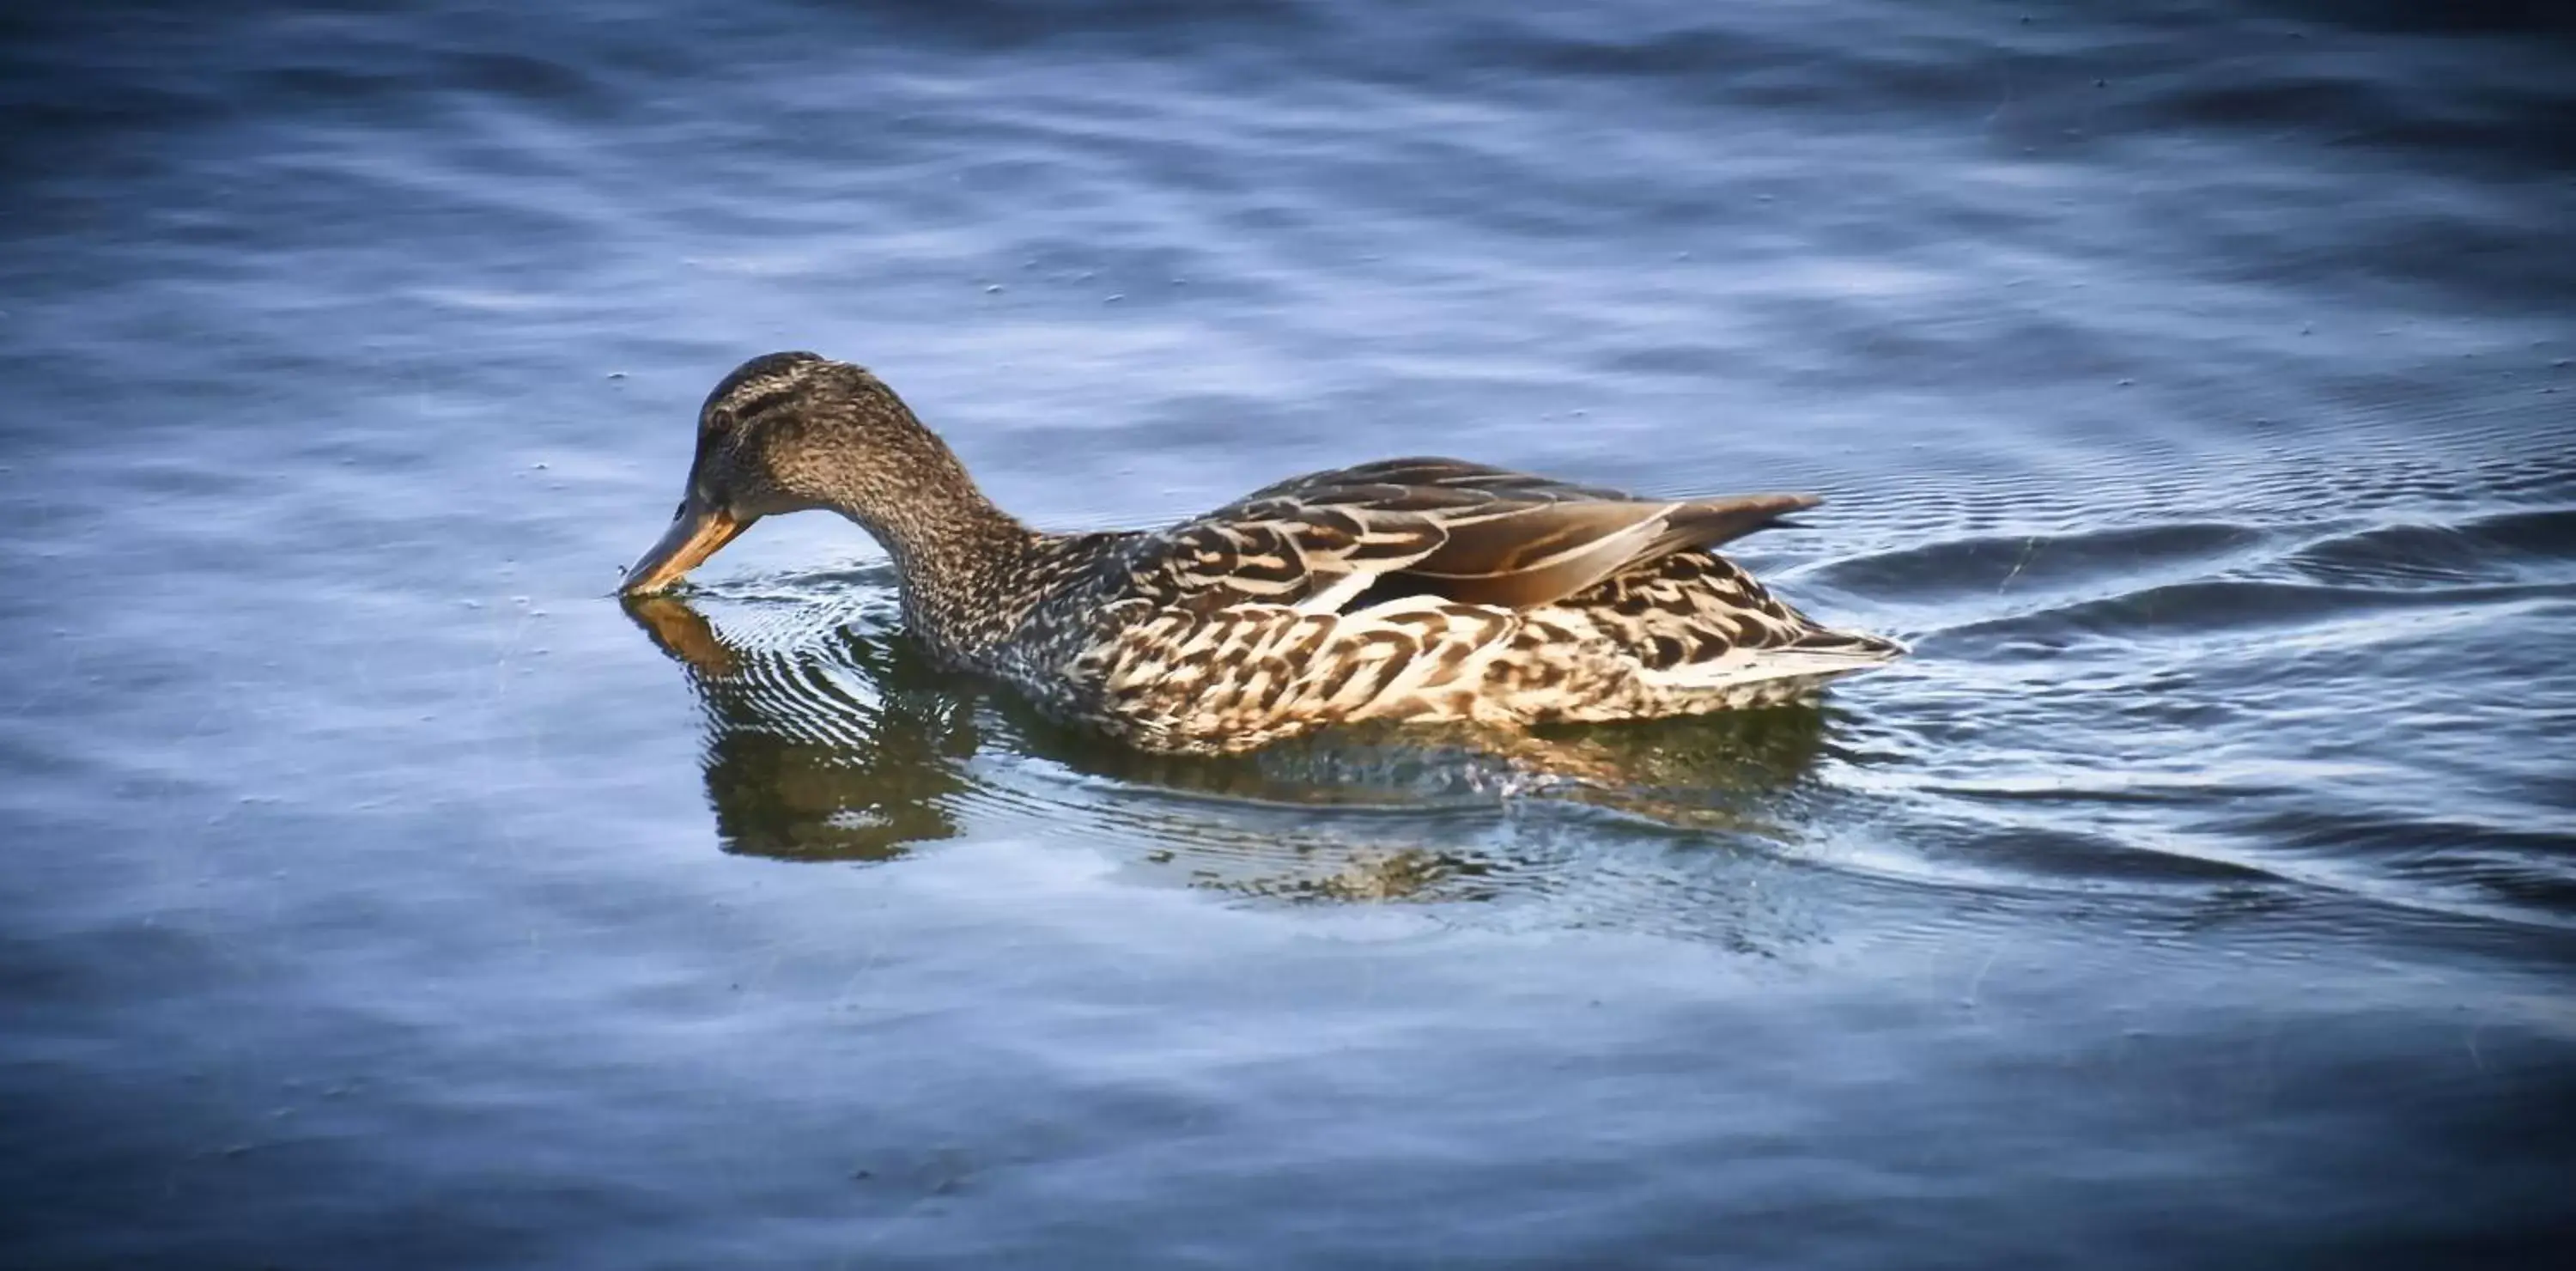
point(1428, 472)
point(1330, 541)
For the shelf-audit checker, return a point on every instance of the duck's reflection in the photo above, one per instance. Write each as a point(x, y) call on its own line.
point(829, 737)
point(842, 746)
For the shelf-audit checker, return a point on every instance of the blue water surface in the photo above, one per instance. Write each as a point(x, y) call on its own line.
point(2190, 385)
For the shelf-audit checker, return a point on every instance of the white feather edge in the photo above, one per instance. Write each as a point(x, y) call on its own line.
point(1752, 666)
point(1342, 592)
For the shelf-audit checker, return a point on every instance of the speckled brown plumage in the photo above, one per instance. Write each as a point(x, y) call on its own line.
point(1410, 589)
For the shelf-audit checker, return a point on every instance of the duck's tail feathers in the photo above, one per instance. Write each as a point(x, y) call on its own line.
point(1818, 656)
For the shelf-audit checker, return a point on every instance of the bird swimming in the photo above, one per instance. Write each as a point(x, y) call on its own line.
point(1421, 589)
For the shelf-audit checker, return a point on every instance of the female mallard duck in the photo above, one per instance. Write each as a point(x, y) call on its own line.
point(1409, 589)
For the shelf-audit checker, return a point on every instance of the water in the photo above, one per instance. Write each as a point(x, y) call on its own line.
point(2191, 386)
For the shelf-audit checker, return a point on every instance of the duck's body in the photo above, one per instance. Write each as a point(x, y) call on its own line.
point(1411, 589)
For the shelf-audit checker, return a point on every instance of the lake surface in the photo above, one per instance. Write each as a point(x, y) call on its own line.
point(2191, 387)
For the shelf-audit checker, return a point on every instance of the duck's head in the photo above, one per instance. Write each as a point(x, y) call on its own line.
point(791, 432)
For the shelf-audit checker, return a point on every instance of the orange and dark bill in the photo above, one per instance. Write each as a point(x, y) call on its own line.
point(695, 534)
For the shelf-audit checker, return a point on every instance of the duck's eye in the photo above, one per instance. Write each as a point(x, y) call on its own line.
point(680, 511)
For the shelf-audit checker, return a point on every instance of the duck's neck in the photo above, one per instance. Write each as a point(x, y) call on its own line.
point(960, 556)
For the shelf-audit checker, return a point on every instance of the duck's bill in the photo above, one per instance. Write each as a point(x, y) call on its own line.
point(695, 534)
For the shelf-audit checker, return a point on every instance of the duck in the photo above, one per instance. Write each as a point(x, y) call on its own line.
point(1411, 590)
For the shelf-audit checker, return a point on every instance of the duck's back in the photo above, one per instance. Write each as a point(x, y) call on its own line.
point(1432, 590)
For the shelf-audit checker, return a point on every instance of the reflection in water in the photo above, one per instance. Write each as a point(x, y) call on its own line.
point(801, 767)
point(830, 737)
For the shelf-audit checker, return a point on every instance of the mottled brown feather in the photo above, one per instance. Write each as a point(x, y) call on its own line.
point(1445, 527)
